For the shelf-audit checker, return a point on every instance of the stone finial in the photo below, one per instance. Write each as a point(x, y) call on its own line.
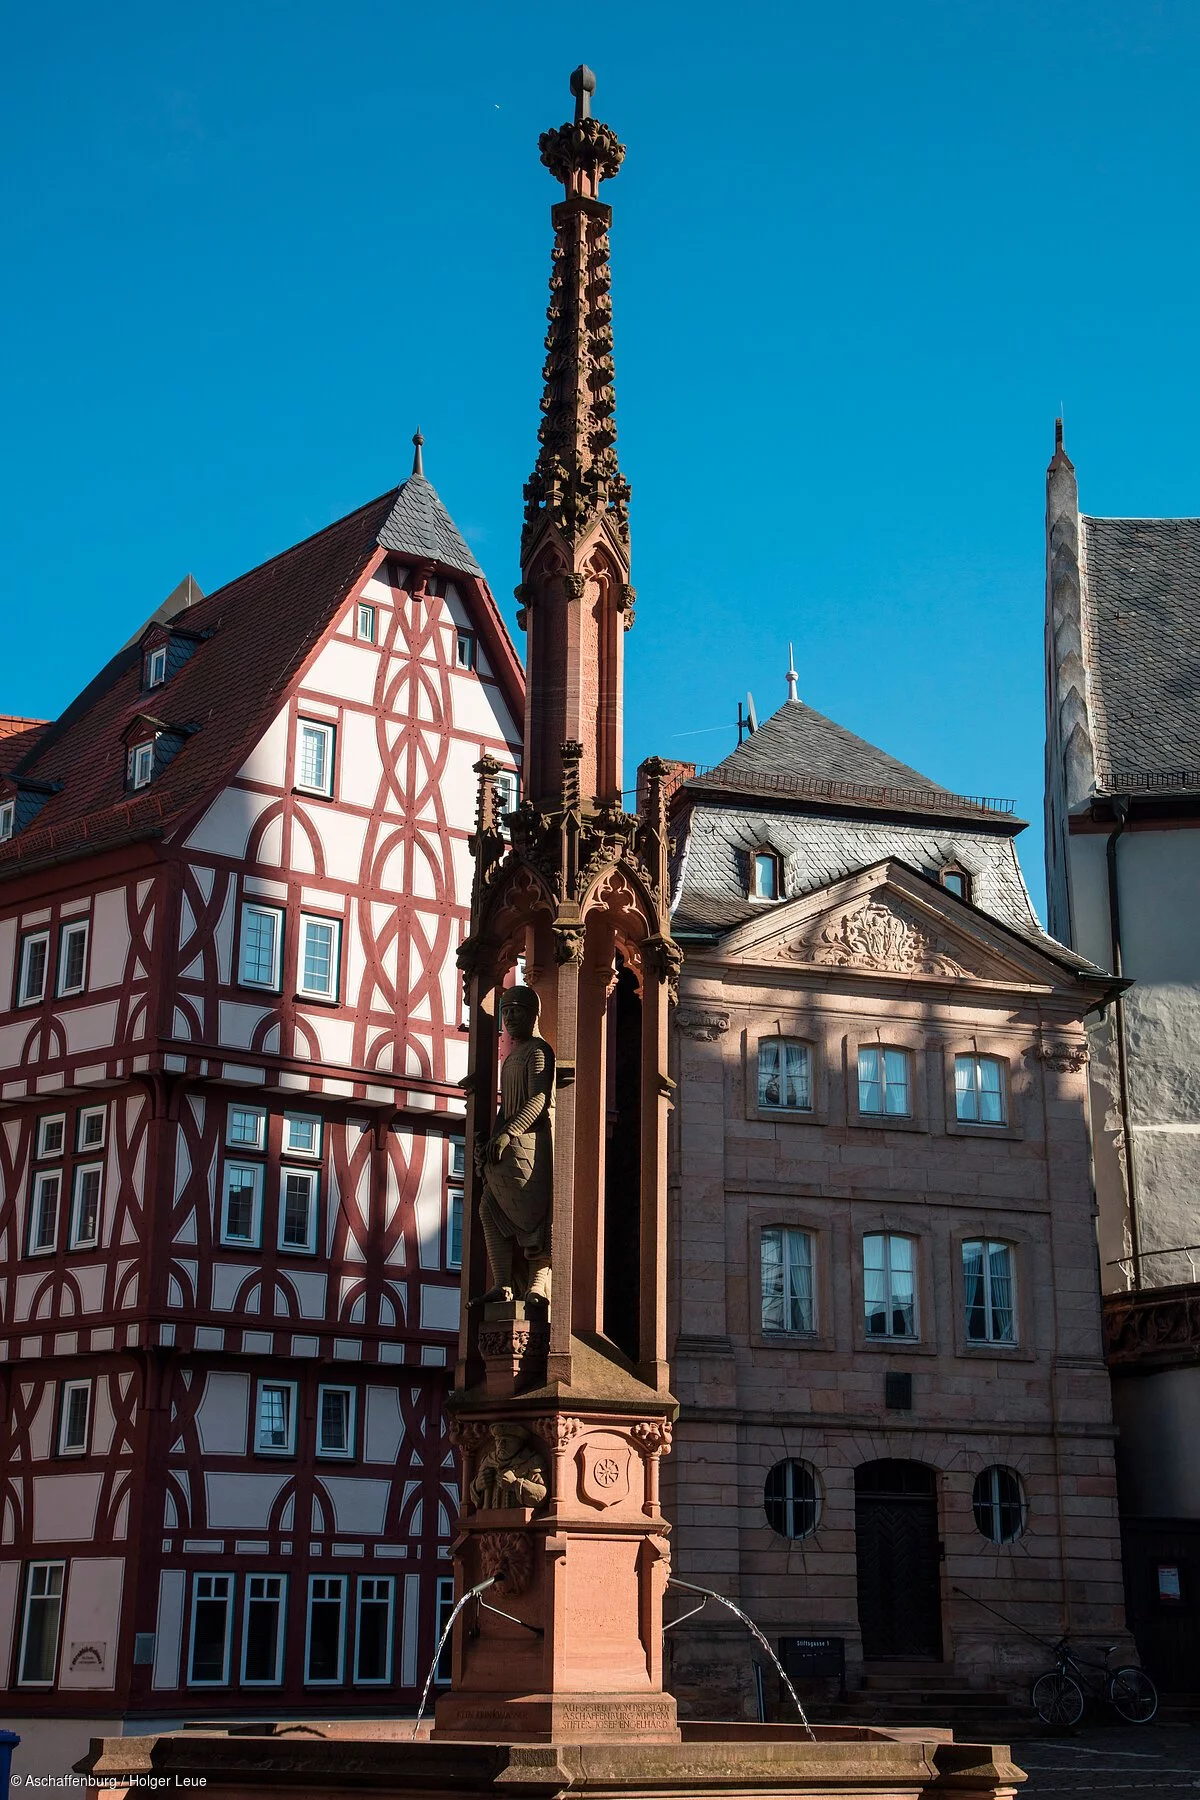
point(418, 467)
point(1060, 459)
point(792, 676)
point(583, 86)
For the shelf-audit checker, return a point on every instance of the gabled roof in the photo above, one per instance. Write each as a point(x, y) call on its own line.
point(259, 630)
point(17, 738)
point(799, 755)
point(1143, 591)
point(418, 525)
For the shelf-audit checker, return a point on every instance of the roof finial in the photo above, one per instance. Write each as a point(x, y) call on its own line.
point(792, 677)
point(418, 467)
point(1058, 433)
point(583, 86)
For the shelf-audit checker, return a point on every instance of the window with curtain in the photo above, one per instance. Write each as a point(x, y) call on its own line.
point(784, 1074)
point(884, 1081)
point(890, 1285)
point(787, 1280)
point(988, 1292)
point(979, 1090)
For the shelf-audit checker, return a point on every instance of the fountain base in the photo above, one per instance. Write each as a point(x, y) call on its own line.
point(319, 1760)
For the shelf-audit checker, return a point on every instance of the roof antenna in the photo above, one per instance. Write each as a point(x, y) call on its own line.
point(418, 467)
point(751, 715)
point(792, 677)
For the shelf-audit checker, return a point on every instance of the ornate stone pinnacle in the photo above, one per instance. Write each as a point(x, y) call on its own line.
point(583, 86)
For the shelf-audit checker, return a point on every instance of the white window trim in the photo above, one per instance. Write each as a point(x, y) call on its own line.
point(82, 1142)
point(291, 1149)
point(264, 1681)
point(389, 1581)
point(329, 732)
point(156, 666)
point(978, 1058)
point(254, 1241)
point(141, 764)
point(59, 1119)
point(261, 1449)
point(337, 1387)
point(464, 635)
point(74, 1240)
point(273, 984)
point(48, 1563)
point(452, 1194)
point(890, 1336)
point(333, 992)
point(765, 850)
point(312, 1176)
point(883, 1051)
point(76, 928)
point(365, 637)
point(24, 996)
point(785, 1232)
point(198, 1576)
point(41, 1178)
point(986, 1244)
point(64, 1402)
point(325, 1680)
point(769, 1107)
point(242, 1144)
point(8, 819)
point(443, 1598)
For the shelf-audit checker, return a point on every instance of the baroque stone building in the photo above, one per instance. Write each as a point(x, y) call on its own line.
point(1123, 863)
point(886, 1344)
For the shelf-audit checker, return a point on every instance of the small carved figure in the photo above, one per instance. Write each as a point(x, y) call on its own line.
point(511, 1473)
point(517, 1162)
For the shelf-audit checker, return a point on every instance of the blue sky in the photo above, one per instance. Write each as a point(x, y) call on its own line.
point(861, 256)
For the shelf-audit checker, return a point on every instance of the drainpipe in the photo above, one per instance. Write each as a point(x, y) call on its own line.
point(1120, 805)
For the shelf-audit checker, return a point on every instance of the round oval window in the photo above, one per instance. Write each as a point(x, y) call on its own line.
point(792, 1499)
point(999, 1504)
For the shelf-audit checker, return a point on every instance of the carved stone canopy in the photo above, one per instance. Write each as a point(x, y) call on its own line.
point(699, 1023)
point(876, 935)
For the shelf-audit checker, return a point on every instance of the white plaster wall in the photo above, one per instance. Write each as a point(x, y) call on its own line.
point(223, 1413)
point(110, 940)
point(227, 824)
point(91, 1622)
point(268, 759)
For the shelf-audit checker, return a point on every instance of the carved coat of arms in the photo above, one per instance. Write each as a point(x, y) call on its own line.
point(876, 937)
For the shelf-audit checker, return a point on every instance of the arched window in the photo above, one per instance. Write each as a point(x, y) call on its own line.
point(792, 1500)
point(766, 875)
point(999, 1504)
point(955, 880)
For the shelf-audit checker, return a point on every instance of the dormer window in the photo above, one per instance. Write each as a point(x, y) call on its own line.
point(141, 765)
point(464, 649)
point(955, 880)
point(8, 819)
point(156, 667)
point(766, 875)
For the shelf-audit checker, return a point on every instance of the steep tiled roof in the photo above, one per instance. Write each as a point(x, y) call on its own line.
point(1143, 589)
point(419, 525)
point(17, 738)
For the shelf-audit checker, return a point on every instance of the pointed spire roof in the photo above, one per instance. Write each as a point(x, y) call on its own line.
point(419, 525)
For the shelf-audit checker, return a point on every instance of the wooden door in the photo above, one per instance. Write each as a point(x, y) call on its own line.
point(899, 1557)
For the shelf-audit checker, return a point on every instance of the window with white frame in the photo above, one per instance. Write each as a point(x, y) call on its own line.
point(979, 1097)
point(262, 945)
point(84, 1233)
point(457, 1151)
point(884, 1081)
point(275, 1419)
point(320, 957)
point(999, 1505)
point(241, 1203)
point(211, 1634)
point(890, 1285)
point(51, 1135)
point(787, 1280)
point(156, 666)
point(246, 1127)
point(443, 1668)
point(40, 1624)
point(8, 819)
point(74, 1417)
point(325, 1636)
point(35, 959)
point(264, 1611)
point(90, 1127)
point(454, 1229)
point(141, 765)
point(314, 757)
point(792, 1499)
point(506, 791)
point(298, 1209)
point(464, 649)
point(784, 1075)
point(766, 875)
point(988, 1292)
point(373, 1630)
point(43, 1212)
point(366, 622)
point(335, 1421)
point(301, 1134)
point(72, 957)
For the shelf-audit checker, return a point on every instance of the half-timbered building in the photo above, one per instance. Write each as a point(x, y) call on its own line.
point(234, 876)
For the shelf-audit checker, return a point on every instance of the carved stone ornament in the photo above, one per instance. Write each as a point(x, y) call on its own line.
point(558, 1431)
point(574, 585)
point(568, 943)
point(663, 955)
point(468, 1434)
point(1064, 1059)
point(875, 937)
point(512, 1473)
point(704, 1026)
point(654, 1436)
point(603, 1472)
point(508, 1555)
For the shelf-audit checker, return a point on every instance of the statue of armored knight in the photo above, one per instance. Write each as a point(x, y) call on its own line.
point(517, 1162)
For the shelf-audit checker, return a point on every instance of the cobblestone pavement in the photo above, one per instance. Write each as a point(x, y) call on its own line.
point(1141, 1760)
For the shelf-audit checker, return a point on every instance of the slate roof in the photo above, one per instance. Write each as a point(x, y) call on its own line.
point(1143, 587)
point(418, 525)
point(262, 627)
point(798, 753)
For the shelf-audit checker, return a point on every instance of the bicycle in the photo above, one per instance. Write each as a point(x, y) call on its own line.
point(1058, 1695)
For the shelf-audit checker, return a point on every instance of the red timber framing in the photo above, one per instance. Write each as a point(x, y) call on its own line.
point(231, 1141)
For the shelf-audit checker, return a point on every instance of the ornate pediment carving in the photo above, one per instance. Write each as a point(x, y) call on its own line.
point(875, 935)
